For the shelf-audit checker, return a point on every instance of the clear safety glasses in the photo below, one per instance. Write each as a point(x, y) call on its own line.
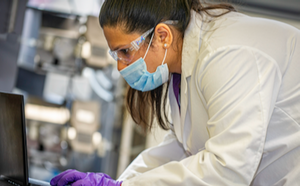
point(126, 53)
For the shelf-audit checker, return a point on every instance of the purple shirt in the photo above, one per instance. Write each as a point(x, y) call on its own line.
point(176, 83)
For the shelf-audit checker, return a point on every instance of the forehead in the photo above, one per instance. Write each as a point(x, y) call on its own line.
point(116, 37)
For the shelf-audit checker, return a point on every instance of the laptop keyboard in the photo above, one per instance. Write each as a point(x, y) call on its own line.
point(4, 183)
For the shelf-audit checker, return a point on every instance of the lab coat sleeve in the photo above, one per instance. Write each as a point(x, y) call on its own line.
point(239, 87)
point(168, 150)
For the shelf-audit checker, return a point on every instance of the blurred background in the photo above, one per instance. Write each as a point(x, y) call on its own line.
point(55, 54)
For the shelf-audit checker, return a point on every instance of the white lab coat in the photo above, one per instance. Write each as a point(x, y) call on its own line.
point(240, 108)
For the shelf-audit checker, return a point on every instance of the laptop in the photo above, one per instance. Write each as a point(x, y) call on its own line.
point(13, 147)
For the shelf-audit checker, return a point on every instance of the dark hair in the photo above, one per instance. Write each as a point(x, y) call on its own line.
point(139, 16)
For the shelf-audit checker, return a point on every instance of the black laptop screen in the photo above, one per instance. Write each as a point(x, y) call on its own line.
point(12, 149)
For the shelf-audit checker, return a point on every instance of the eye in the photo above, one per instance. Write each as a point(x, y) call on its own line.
point(124, 51)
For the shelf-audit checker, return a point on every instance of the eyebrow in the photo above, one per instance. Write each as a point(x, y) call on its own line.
point(118, 47)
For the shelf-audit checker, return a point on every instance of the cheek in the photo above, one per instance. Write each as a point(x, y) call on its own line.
point(140, 53)
point(153, 60)
point(151, 64)
point(137, 56)
point(121, 66)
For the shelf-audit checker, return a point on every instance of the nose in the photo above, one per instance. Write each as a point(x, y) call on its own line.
point(121, 65)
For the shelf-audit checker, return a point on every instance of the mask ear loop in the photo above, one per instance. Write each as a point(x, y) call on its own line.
point(164, 57)
point(148, 46)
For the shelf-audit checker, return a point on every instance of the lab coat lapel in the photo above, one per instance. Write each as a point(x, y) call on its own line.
point(183, 106)
point(190, 51)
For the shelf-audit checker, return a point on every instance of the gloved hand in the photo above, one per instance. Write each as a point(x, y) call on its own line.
point(76, 178)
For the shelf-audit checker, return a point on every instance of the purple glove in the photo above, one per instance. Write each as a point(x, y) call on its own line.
point(76, 178)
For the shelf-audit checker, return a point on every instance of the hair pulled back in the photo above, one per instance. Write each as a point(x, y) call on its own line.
point(138, 16)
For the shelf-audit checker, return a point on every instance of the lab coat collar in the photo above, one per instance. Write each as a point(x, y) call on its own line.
point(191, 44)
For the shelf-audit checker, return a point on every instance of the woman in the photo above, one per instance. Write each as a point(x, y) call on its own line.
point(234, 90)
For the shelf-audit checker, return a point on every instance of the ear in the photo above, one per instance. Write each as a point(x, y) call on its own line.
point(164, 35)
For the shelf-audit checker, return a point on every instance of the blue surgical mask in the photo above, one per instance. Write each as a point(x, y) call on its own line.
point(140, 79)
